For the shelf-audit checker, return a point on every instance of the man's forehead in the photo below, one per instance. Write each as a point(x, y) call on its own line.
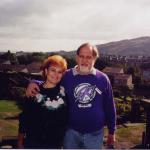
point(87, 50)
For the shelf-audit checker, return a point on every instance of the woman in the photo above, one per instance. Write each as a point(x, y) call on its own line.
point(43, 120)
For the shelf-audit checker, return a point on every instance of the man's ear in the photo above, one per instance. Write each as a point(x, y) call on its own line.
point(77, 58)
point(95, 60)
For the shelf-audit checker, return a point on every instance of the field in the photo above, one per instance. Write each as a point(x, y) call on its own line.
point(8, 118)
point(127, 135)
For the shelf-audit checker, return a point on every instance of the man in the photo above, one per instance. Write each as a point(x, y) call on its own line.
point(90, 102)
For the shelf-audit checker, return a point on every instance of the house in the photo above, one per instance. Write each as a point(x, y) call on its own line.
point(13, 68)
point(117, 77)
point(20, 53)
point(7, 62)
point(146, 75)
point(34, 68)
point(123, 80)
point(113, 70)
point(20, 68)
point(5, 67)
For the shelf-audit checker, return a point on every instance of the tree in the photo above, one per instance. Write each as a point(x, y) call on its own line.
point(70, 61)
point(25, 59)
point(137, 81)
point(131, 70)
point(125, 91)
point(100, 64)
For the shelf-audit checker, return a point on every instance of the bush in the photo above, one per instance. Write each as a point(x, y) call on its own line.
point(123, 108)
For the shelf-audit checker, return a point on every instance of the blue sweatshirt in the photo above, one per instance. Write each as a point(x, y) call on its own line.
point(90, 100)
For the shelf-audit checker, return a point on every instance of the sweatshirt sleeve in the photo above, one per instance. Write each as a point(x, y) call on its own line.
point(23, 116)
point(39, 82)
point(22, 126)
point(109, 107)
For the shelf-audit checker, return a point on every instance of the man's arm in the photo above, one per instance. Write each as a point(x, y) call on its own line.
point(33, 88)
point(110, 140)
point(20, 143)
point(110, 111)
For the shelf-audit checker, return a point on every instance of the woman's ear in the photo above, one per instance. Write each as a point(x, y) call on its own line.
point(64, 72)
point(45, 72)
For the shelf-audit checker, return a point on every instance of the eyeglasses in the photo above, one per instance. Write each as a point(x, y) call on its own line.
point(85, 57)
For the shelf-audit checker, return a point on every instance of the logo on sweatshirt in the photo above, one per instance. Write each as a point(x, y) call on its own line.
point(85, 93)
point(49, 103)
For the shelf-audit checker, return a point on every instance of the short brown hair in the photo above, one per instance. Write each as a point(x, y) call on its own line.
point(54, 60)
point(94, 49)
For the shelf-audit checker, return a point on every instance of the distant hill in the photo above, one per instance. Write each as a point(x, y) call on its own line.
point(137, 46)
point(68, 54)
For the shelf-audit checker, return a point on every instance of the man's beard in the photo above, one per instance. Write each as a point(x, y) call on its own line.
point(84, 69)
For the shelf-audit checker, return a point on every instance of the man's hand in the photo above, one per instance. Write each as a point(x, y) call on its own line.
point(110, 139)
point(32, 90)
point(20, 141)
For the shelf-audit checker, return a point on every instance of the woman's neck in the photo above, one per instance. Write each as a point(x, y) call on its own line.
point(48, 85)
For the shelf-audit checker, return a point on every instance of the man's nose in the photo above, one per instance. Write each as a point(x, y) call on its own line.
point(85, 58)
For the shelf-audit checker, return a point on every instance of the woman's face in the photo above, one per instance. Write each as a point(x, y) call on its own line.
point(54, 74)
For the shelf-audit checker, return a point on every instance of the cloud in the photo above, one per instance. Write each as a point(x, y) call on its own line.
point(58, 24)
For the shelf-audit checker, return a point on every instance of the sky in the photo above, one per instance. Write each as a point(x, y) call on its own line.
point(52, 25)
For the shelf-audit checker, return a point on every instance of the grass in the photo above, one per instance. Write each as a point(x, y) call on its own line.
point(8, 129)
point(127, 136)
point(131, 134)
point(128, 99)
point(8, 108)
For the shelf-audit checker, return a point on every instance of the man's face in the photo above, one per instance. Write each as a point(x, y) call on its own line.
point(85, 60)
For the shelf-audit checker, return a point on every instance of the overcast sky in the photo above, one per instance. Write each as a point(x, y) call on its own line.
point(49, 25)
